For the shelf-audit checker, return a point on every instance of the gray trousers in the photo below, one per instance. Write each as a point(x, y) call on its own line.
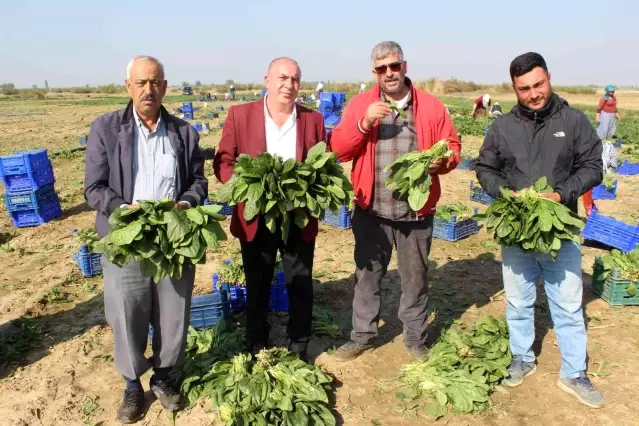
point(132, 302)
point(374, 240)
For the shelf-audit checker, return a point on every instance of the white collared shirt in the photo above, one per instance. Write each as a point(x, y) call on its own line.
point(281, 141)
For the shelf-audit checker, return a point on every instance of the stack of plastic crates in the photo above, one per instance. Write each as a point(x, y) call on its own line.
point(187, 109)
point(278, 301)
point(29, 183)
point(341, 220)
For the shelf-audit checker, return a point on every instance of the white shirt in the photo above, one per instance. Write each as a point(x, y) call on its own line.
point(281, 141)
point(319, 86)
point(362, 86)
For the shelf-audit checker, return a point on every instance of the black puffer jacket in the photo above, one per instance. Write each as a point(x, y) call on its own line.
point(557, 142)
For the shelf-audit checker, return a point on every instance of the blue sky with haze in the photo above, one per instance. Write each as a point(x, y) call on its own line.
point(72, 43)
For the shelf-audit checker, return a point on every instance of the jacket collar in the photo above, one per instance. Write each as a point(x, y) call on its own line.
point(554, 104)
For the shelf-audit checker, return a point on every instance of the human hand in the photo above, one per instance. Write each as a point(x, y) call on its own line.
point(435, 165)
point(374, 112)
point(182, 205)
point(554, 196)
point(132, 206)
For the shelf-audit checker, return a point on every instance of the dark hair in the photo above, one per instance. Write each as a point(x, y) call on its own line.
point(525, 63)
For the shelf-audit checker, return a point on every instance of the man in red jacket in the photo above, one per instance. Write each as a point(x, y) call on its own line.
point(276, 125)
point(373, 136)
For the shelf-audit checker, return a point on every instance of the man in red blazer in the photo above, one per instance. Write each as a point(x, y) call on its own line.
point(278, 126)
point(373, 136)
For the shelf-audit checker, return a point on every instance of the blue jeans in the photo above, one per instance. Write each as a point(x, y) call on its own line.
point(564, 288)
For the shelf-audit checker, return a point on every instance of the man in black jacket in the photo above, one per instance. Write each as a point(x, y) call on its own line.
point(543, 136)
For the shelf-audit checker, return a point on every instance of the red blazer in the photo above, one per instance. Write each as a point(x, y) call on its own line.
point(432, 124)
point(244, 133)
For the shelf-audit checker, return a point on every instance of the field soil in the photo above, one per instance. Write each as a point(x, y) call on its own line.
point(67, 377)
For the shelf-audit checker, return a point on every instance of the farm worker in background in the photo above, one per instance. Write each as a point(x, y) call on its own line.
point(319, 89)
point(495, 110)
point(606, 118)
point(373, 136)
point(232, 90)
point(278, 126)
point(227, 97)
point(481, 105)
point(144, 153)
point(567, 151)
point(362, 88)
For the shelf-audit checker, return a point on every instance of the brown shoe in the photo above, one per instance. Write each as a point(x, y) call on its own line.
point(132, 408)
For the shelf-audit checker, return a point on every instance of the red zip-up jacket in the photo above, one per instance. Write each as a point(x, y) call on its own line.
point(432, 124)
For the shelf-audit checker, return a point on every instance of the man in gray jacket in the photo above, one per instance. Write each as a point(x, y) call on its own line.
point(543, 137)
point(144, 153)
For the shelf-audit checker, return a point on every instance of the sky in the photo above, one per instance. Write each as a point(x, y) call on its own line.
point(73, 43)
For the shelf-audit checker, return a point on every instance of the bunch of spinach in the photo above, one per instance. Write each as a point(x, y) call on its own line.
point(88, 236)
point(446, 211)
point(161, 237)
point(463, 367)
point(530, 221)
point(409, 174)
point(288, 191)
point(324, 325)
point(627, 264)
point(608, 182)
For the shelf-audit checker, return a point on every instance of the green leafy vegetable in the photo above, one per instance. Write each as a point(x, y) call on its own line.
point(398, 110)
point(88, 236)
point(608, 182)
point(409, 174)
point(323, 324)
point(286, 192)
point(530, 221)
point(460, 211)
point(161, 237)
point(463, 368)
point(626, 265)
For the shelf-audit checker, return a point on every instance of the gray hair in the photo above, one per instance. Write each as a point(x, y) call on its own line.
point(283, 58)
point(143, 58)
point(384, 49)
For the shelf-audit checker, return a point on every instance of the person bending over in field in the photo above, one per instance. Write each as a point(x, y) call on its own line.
point(543, 137)
point(373, 136)
point(144, 153)
point(278, 126)
point(481, 105)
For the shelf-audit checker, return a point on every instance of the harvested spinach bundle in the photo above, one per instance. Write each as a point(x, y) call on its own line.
point(627, 264)
point(409, 173)
point(161, 237)
point(463, 367)
point(460, 211)
point(532, 222)
point(278, 190)
point(88, 236)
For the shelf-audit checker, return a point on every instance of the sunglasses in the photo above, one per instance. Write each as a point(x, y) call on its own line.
point(395, 67)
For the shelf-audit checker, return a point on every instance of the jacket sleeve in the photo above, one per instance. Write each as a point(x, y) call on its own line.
point(489, 164)
point(587, 169)
point(97, 193)
point(447, 131)
point(346, 139)
point(227, 151)
point(198, 190)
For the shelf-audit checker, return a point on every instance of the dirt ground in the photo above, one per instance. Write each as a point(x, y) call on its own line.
point(68, 377)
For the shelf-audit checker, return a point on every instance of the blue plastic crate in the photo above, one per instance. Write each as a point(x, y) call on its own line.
point(479, 195)
point(342, 220)
point(198, 127)
point(89, 263)
point(618, 143)
point(188, 116)
point(35, 217)
point(600, 192)
point(187, 107)
point(332, 120)
point(627, 168)
point(467, 164)
point(325, 108)
point(278, 300)
point(611, 232)
point(326, 97)
point(453, 230)
point(226, 209)
point(31, 200)
point(26, 171)
point(236, 294)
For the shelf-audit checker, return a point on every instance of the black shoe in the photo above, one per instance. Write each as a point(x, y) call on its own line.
point(420, 353)
point(132, 408)
point(169, 397)
point(300, 348)
point(351, 350)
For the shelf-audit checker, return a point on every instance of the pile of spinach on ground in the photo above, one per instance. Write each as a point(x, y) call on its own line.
point(273, 388)
point(459, 210)
point(280, 189)
point(462, 369)
point(162, 238)
point(409, 176)
point(626, 265)
point(532, 222)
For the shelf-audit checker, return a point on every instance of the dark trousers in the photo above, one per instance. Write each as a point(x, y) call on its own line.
point(374, 240)
point(259, 258)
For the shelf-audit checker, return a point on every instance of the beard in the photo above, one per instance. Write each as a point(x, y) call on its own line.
point(392, 86)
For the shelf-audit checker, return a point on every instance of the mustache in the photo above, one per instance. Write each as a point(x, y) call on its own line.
point(147, 97)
